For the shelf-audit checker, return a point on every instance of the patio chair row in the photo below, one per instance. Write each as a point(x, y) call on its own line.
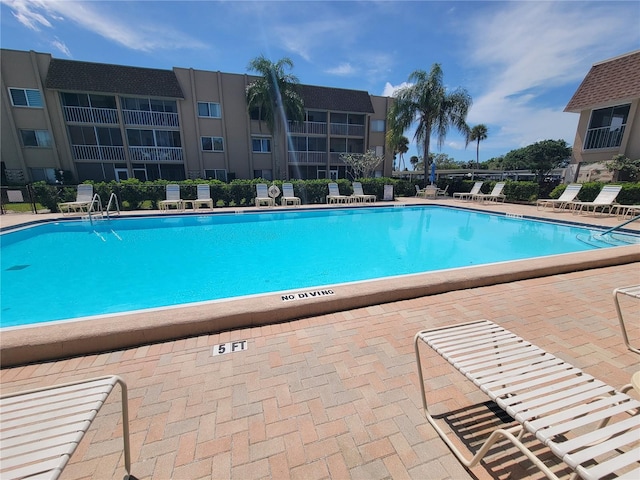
point(358, 195)
point(593, 428)
point(476, 195)
point(605, 202)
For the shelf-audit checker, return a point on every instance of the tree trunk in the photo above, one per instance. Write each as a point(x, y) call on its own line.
point(427, 140)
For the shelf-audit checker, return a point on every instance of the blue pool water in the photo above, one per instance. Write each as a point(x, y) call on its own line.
point(74, 269)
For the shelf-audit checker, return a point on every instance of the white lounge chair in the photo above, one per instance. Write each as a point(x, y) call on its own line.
point(334, 195)
point(172, 198)
point(262, 196)
point(359, 195)
point(569, 195)
point(469, 195)
point(590, 426)
point(419, 191)
point(495, 195)
point(288, 195)
point(442, 192)
point(84, 199)
point(604, 200)
point(204, 197)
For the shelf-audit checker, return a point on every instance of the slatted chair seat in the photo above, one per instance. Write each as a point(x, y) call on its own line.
point(590, 426)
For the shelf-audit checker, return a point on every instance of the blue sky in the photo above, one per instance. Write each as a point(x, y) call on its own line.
point(520, 61)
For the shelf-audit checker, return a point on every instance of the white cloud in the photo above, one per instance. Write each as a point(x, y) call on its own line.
point(344, 69)
point(390, 90)
point(530, 49)
point(61, 46)
point(132, 33)
point(304, 38)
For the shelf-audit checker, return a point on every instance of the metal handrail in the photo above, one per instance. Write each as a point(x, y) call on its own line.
point(113, 197)
point(621, 225)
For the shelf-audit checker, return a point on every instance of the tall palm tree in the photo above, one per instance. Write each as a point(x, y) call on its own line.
point(477, 134)
point(276, 97)
point(427, 101)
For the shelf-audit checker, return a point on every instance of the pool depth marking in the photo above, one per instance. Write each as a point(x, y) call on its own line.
point(309, 294)
point(229, 347)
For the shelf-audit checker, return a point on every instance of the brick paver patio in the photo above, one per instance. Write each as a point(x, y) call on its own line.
point(334, 396)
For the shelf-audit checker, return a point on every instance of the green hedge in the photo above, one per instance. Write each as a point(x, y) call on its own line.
point(135, 195)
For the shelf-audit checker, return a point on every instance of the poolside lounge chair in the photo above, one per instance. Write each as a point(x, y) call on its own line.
point(262, 196)
point(603, 201)
point(359, 195)
point(469, 195)
point(495, 195)
point(84, 199)
point(204, 197)
point(419, 191)
point(288, 195)
point(172, 198)
point(442, 192)
point(334, 195)
point(41, 428)
point(569, 194)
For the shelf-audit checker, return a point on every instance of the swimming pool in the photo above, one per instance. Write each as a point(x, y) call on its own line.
point(75, 269)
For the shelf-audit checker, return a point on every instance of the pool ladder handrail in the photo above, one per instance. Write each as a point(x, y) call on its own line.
point(113, 198)
point(96, 200)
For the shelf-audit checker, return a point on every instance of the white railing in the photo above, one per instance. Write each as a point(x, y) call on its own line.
point(603, 137)
point(315, 128)
point(90, 115)
point(97, 152)
point(307, 157)
point(347, 129)
point(140, 117)
point(156, 154)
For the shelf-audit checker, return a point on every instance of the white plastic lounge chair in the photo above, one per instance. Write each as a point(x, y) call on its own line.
point(41, 428)
point(84, 199)
point(172, 198)
point(495, 195)
point(442, 192)
point(469, 195)
point(604, 201)
point(204, 197)
point(419, 191)
point(359, 195)
point(262, 196)
point(569, 195)
point(288, 195)
point(334, 195)
point(590, 426)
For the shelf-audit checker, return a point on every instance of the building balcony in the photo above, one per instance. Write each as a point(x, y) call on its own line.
point(347, 129)
point(154, 119)
point(98, 152)
point(313, 128)
point(307, 158)
point(603, 137)
point(156, 154)
point(90, 115)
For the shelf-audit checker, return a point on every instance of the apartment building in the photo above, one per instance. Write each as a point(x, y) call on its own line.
point(112, 122)
point(607, 100)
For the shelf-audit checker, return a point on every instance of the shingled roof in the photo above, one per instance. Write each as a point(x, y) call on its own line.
point(336, 99)
point(105, 78)
point(613, 80)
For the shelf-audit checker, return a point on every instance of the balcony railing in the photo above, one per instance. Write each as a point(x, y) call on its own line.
point(90, 115)
point(156, 154)
point(314, 128)
point(347, 129)
point(97, 152)
point(307, 157)
point(158, 119)
point(603, 137)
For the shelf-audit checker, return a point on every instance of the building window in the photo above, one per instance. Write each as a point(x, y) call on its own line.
point(377, 125)
point(153, 138)
point(88, 100)
point(35, 138)
point(606, 127)
point(25, 97)
point(264, 174)
point(209, 109)
point(217, 174)
point(149, 105)
point(212, 144)
point(261, 145)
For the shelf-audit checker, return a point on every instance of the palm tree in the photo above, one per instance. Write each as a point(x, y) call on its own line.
point(427, 101)
point(276, 97)
point(477, 134)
